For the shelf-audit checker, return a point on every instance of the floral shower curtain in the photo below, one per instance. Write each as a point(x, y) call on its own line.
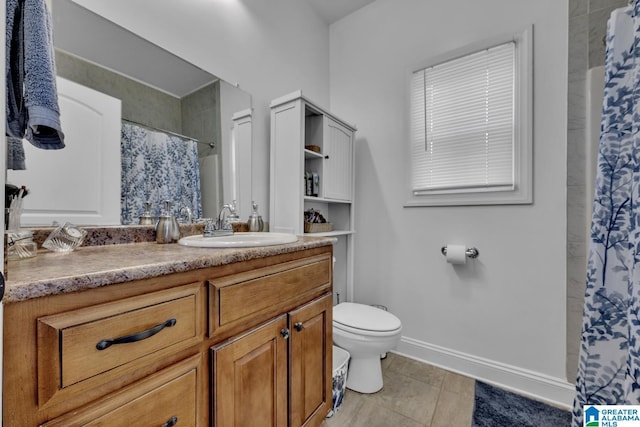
point(609, 365)
point(157, 167)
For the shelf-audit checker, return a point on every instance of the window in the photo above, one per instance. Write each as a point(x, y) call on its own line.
point(470, 127)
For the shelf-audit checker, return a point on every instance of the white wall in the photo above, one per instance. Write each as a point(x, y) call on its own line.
point(501, 317)
point(270, 48)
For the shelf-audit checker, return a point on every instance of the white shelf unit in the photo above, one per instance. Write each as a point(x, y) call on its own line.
point(296, 123)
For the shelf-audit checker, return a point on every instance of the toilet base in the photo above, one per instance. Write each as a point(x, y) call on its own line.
point(365, 374)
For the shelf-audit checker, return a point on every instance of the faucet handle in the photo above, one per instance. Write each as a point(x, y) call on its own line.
point(209, 228)
point(186, 211)
point(225, 226)
point(233, 213)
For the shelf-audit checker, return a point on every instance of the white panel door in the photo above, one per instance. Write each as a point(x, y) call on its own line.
point(338, 149)
point(242, 153)
point(80, 183)
point(286, 213)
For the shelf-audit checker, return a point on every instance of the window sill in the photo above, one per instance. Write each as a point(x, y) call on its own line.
point(518, 197)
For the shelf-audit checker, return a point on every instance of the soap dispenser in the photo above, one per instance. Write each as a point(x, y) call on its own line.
point(167, 228)
point(255, 220)
point(146, 218)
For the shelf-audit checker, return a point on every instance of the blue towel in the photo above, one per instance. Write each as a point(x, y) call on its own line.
point(16, 120)
point(15, 154)
point(32, 100)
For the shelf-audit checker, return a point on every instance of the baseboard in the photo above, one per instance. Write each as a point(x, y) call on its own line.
point(538, 386)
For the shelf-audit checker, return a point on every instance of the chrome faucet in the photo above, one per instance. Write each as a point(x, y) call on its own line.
point(222, 227)
point(222, 222)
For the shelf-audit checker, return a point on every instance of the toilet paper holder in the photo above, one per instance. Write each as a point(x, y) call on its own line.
point(472, 253)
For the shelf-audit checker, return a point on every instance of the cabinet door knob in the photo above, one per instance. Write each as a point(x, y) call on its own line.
point(171, 422)
point(299, 326)
point(285, 333)
point(326, 157)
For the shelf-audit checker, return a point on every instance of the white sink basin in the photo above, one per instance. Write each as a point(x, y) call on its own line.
point(239, 240)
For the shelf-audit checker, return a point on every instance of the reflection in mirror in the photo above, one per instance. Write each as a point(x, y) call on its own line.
point(158, 91)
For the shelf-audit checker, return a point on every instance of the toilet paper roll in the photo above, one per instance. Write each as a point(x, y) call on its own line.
point(456, 254)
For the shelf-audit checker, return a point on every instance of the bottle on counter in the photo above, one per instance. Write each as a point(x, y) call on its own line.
point(167, 228)
point(146, 218)
point(255, 222)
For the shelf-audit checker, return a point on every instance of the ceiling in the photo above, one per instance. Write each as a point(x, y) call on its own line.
point(334, 10)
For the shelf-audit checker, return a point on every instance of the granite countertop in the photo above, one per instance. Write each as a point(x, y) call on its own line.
point(51, 273)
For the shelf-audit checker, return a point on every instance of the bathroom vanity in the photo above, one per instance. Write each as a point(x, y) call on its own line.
point(146, 334)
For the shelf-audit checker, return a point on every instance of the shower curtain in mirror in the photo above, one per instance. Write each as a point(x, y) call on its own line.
point(155, 167)
point(609, 365)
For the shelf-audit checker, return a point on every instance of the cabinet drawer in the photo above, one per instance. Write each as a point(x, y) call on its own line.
point(92, 341)
point(166, 398)
point(265, 291)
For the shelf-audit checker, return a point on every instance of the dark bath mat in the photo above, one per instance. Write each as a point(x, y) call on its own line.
point(495, 407)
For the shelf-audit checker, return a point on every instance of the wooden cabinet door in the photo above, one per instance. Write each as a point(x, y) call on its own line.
point(338, 143)
point(250, 378)
point(310, 362)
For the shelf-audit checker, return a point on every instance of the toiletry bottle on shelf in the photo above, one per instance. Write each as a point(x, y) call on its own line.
point(308, 184)
point(255, 220)
point(167, 228)
point(315, 192)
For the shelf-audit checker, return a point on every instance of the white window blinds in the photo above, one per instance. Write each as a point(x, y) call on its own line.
point(462, 123)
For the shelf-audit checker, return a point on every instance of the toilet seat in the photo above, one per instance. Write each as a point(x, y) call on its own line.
point(365, 319)
point(337, 328)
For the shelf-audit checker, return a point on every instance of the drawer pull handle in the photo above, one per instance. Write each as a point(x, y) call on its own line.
point(104, 344)
point(171, 422)
point(299, 326)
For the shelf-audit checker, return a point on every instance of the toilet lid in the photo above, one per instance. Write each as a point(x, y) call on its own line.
point(365, 317)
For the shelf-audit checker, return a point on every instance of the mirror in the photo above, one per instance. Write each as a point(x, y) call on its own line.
point(158, 91)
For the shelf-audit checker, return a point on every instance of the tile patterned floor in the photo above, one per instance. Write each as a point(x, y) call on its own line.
point(414, 395)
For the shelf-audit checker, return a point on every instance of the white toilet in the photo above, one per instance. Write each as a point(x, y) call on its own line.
point(365, 332)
